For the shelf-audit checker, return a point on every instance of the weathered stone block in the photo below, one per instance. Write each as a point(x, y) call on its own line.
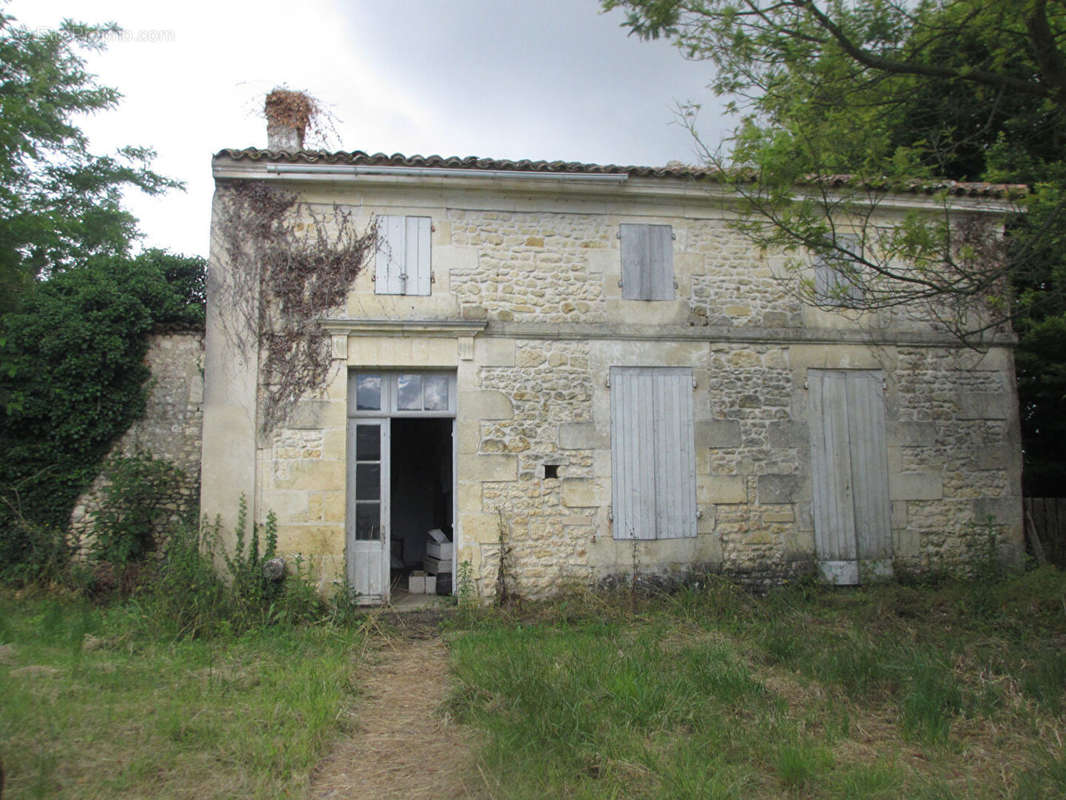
point(327, 506)
point(908, 542)
point(479, 527)
point(774, 489)
point(468, 496)
point(1002, 510)
point(705, 521)
point(899, 513)
point(718, 433)
point(982, 405)
point(468, 431)
point(500, 467)
point(722, 489)
point(311, 475)
point(308, 414)
point(494, 351)
point(581, 493)
point(915, 486)
point(779, 514)
point(787, 433)
point(311, 539)
point(582, 436)
point(992, 458)
point(485, 404)
point(916, 433)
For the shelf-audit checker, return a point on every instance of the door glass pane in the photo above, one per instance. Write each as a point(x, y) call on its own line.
point(367, 521)
point(367, 442)
point(436, 393)
point(367, 481)
point(368, 392)
point(409, 389)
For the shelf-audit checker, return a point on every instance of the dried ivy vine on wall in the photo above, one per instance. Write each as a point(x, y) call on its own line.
point(289, 265)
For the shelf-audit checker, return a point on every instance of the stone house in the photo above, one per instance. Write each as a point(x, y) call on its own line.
point(587, 369)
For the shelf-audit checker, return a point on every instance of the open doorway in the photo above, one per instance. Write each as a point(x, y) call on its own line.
point(400, 484)
point(421, 490)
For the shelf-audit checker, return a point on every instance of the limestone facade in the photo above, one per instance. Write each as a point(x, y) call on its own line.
point(527, 312)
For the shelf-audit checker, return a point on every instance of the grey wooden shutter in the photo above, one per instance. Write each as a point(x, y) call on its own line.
point(417, 255)
point(647, 261)
point(852, 525)
point(869, 460)
point(832, 286)
point(652, 453)
point(391, 255)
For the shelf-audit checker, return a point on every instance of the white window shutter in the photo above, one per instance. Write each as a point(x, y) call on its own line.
point(391, 255)
point(647, 261)
point(418, 261)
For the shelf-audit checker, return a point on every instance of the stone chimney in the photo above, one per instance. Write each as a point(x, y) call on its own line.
point(288, 114)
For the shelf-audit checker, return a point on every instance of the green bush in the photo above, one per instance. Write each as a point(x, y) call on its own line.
point(34, 553)
point(137, 504)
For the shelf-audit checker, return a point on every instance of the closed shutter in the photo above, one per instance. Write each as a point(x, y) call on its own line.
point(832, 285)
point(647, 261)
point(392, 242)
point(652, 453)
point(852, 525)
point(403, 257)
point(869, 470)
point(417, 255)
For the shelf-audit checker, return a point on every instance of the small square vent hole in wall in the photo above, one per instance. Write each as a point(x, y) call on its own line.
point(551, 470)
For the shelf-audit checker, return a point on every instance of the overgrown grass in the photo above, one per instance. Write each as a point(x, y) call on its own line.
point(96, 705)
point(953, 691)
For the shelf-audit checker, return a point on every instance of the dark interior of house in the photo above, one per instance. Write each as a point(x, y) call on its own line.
point(421, 490)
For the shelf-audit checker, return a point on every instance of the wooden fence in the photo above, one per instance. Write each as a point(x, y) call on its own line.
point(1046, 517)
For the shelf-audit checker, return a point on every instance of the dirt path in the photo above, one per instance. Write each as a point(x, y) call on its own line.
point(403, 745)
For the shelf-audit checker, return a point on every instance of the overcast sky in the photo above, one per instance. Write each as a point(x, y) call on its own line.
point(539, 79)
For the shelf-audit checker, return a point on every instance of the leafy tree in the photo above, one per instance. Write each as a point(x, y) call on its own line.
point(72, 379)
point(75, 308)
point(851, 98)
point(60, 204)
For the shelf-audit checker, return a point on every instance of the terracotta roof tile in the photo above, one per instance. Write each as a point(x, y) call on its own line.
point(672, 170)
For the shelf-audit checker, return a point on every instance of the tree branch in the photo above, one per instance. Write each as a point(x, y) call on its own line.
point(892, 66)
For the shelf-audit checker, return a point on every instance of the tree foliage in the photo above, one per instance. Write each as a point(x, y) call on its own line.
point(73, 378)
point(75, 307)
point(60, 203)
point(849, 98)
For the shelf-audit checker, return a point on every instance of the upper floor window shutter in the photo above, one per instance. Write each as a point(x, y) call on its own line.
point(403, 259)
point(835, 274)
point(417, 255)
point(390, 255)
point(647, 261)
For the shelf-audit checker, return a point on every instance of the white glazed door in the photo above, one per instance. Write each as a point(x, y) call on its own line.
point(368, 510)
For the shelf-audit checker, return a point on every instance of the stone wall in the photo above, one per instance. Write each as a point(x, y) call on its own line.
point(959, 461)
point(529, 267)
point(171, 425)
